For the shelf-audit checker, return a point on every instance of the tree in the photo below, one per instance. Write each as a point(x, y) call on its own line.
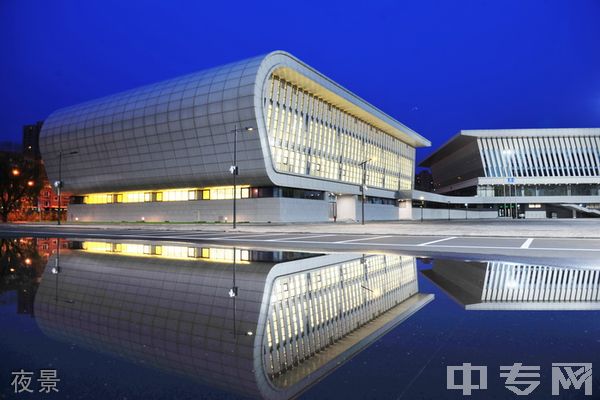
point(19, 183)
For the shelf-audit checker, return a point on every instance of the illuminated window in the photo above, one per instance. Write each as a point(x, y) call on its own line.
point(192, 252)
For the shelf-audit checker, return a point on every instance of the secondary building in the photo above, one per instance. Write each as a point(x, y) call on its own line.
point(532, 173)
point(301, 147)
point(503, 285)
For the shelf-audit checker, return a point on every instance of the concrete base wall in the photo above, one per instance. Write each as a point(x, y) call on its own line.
point(440, 213)
point(349, 208)
point(378, 212)
point(279, 209)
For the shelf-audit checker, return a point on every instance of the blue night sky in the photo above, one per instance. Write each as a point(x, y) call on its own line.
point(437, 66)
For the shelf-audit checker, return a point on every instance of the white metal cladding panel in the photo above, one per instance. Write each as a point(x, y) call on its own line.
point(519, 282)
point(568, 156)
point(121, 304)
point(310, 311)
point(175, 133)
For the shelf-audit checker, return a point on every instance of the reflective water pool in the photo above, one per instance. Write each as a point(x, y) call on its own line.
point(114, 319)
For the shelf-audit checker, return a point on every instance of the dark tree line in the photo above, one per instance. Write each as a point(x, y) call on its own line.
point(19, 183)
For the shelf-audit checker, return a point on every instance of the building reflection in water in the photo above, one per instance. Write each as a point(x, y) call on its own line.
point(499, 285)
point(264, 324)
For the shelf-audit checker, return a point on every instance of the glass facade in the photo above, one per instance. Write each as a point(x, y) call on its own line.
point(187, 194)
point(309, 136)
point(540, 156)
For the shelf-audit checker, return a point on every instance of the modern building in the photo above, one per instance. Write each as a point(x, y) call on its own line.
point(303, 146)
point(503, 285)
point(531, 173)
point(294, 318)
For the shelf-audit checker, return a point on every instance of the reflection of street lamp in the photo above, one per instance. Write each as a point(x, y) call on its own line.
point(233, 292)
point(448, 211)
point(466, 210)
point(56, 269)
point(234, 170)
point(422, 203)
point(59, 183)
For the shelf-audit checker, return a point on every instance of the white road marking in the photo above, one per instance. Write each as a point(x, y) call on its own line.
point(298, 237)
point(437, 241)
point(527, 243)
point(359, 239)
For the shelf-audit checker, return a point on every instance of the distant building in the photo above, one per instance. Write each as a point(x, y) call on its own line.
point(164, 152)
point(531, 173)
point(31, 140)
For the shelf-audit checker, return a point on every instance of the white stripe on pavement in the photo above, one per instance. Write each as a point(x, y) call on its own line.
point(366, 238)
point(527, 243)
point(296, 238)
point(437, 241)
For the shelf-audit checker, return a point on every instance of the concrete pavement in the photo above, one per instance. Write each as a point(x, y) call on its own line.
point(552, 251)
point(556, 228)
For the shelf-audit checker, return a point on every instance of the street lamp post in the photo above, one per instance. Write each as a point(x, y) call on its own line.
point(466, 210)
point(448, 211)
point(59, 183)
point(422, 204)
point(234, 171)
point(363, 188)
